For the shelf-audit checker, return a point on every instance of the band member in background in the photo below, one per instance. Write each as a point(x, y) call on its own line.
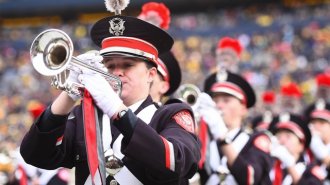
point(236, 157)
point(227, 56)
point(290, 98)
point(318, 116)
point(261, 122)
point(323, 86)
point(292, 165)
point(169, 73)
point(155, 146)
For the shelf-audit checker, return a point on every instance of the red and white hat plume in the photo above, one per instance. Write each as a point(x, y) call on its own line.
point(231, 43)
point(157, 14)
point(291, 90)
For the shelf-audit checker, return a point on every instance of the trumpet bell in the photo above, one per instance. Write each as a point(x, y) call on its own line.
point(51, 55)
point(50, 50)
point(188, 93)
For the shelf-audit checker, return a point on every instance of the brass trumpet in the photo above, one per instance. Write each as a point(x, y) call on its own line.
point(52, 55)
point(188, 93)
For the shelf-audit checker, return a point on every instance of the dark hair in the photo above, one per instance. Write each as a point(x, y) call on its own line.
point(150, 64)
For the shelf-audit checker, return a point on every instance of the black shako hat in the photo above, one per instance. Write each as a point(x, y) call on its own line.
point(130, 36)
point(262, 121)
point(170, 69)
point(294, 123)
point(230, 83)
point(318, 110)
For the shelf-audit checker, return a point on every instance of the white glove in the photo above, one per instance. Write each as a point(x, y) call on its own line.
point(102, 93)
point(211, 115)
point(71, 81)
point(318, 148)
point(91, 58)
point(281, 152)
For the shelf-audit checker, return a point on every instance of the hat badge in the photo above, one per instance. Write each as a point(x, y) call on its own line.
point(267, 117)
point(320, 104)
point(222, 75)
point(116, 26)
point(284, 117)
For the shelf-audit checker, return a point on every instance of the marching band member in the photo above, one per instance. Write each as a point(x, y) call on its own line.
point(292, 138)
point(323, 86)
point(168, 76)
point(318, 115)
point(239, 158)
point(290, 98)
point(228, 54)
point(261, 122)
point(153, 146)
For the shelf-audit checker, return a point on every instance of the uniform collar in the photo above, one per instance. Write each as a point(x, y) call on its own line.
point(140, 105)
point(136, 105)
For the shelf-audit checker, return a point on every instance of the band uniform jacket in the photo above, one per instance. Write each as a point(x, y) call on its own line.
point(311, 173)
point(145, 151)
point(253, 163)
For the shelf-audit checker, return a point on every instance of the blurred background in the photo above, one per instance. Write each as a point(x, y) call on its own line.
point(284, 41)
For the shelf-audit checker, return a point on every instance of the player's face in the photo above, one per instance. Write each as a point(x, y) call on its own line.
point(134, 74)
point(232, 108)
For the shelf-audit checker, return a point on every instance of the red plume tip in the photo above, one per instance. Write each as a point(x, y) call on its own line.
point(35, 109)
point(268, 97)
point(228, 42)
point(291, 90)
point(157, 14)
point(323, 80)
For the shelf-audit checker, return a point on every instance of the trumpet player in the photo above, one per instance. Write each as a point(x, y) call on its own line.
point(318, 116)
point(234, 155)
point(228, 53)
point(153, 145)
point(292, 139)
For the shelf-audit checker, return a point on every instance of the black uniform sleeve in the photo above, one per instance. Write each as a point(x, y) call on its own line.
point(50, 121)
point(49, 142)
point(167, 150)
point(312, 175)
point(252, 165)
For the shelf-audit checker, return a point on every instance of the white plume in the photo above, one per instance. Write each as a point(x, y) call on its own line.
point(116, 5)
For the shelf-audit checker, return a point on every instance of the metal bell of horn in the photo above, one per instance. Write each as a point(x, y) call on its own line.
point(112, 164)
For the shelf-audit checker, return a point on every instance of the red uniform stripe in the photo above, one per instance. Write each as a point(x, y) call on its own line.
point(250, 175)
point(59, 140)
point(167, 154)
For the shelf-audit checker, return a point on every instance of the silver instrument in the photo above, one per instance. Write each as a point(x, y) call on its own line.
point(112, 164)
point(52, 55)
point(188, 93)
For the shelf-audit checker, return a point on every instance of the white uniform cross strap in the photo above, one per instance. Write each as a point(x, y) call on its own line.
point(239, 141)
point(145, 115)
point(300, 167)
point(124, 176)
